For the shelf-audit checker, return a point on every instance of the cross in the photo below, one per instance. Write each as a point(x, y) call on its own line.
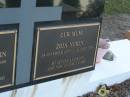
point(26, 16)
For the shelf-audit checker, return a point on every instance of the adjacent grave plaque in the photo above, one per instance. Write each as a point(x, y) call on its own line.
point(65, 49)
point(8, 40)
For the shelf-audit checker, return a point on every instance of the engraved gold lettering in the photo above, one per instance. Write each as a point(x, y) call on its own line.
point(2, 78)
point(66, 63)
point(3, 62)
point(71, 34)
point(69, 45)
point(52, 53)
point(61, 45)
point(3, 54)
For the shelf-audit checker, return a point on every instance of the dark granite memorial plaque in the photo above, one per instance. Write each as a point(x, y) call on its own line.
point(65, 49)
point(66, 34)
point(8, 41)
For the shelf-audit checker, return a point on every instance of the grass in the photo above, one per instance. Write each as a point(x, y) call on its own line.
point(117, 6)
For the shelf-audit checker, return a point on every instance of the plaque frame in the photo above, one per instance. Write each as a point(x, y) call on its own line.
point(34, 78)
point(14, 55)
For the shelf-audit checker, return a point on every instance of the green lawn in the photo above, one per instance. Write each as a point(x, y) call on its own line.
point(117, 6)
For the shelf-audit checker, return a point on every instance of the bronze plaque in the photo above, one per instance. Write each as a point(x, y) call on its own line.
point(68, 49)
point(8, 41)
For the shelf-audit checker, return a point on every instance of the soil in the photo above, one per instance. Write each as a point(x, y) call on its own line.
point(117, 90)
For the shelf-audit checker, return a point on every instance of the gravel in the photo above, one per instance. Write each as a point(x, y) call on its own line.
point(114, 26)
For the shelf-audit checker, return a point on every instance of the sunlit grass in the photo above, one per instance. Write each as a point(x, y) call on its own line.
point(117, 6)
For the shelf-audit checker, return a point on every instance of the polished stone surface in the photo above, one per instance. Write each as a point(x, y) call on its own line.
point(106, 72)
